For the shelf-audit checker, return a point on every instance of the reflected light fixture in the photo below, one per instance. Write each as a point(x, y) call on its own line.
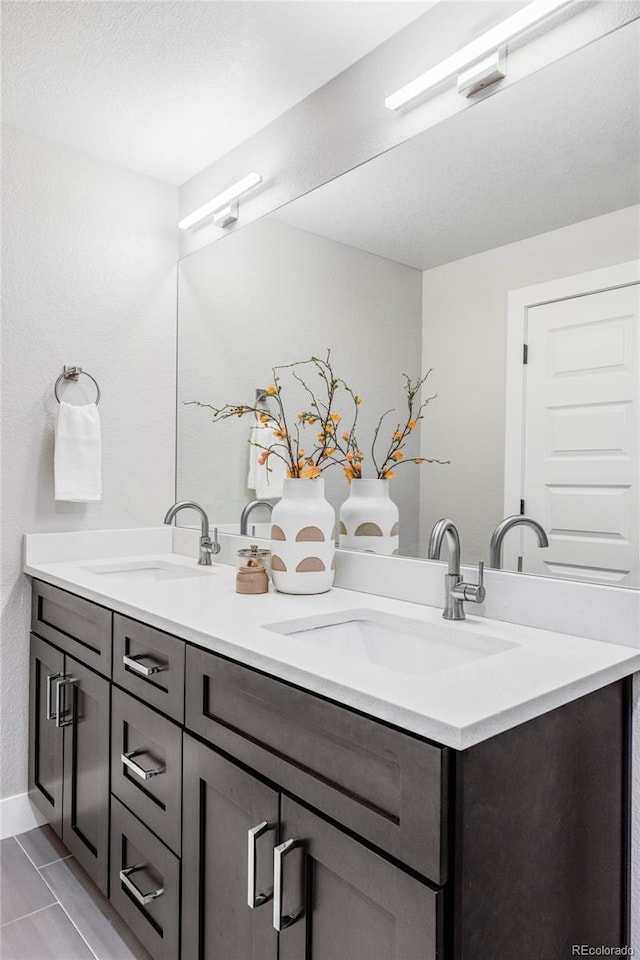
point(484, 46)
point(224, 199)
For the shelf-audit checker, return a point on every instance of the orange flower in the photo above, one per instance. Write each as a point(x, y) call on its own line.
point(357, 467)
point(388, 474)
point(397, 435)
point(345, 436)
point(330, 451)
point(263, 418)
point(311, 472)
point(280, 434)
point(398, 455)
point(349, 474)
point(311, 420)
point(349, 457)
point(329, 428)
point(412, 424)
point(271, 390)
point(336, 417)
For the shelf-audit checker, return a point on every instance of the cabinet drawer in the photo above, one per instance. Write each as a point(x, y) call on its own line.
point(149, 778)
point(150, 664)
point(383, 784)
point(77, 626)
point(145, 884)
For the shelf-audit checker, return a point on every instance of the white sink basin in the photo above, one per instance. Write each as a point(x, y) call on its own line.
point(145, 571)
point(395, 643)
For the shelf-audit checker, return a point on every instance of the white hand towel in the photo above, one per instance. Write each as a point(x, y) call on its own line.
point(267, 483)
point(77, 459)
point(254, 453)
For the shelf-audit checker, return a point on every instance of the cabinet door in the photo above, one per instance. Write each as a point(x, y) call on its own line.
point(222, 807)
point(340, 899)
point(85, 828)
point(46, 665)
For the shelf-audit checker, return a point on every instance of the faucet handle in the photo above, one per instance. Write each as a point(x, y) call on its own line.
point(474, 592)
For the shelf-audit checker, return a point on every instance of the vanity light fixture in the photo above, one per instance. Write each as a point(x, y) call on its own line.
point(486, 47)
point(224, 199)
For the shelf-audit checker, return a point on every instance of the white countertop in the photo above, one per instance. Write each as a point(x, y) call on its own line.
point(457, 707)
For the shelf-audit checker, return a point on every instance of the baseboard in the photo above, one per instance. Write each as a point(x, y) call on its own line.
point(17, 815)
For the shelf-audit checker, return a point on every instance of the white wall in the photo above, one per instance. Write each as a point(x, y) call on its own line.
point(465, 338)
point(274, 294)
point(89, 253)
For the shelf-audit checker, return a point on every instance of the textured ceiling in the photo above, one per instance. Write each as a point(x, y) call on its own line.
point(558, 147)
point(167, 87)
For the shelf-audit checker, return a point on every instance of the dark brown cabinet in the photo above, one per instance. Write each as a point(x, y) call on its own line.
point(339, 899)
point(252, 820)
point(331, 896)
point(69, 754)
point(46, 741)
point(227, 859)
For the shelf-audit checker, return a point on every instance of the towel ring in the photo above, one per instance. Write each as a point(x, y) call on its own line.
point(72, 373)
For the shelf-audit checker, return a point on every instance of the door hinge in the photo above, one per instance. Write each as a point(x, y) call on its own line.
point(522, 508)
point(525, 353)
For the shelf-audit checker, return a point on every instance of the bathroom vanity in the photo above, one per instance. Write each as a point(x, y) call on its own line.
point(231, 811)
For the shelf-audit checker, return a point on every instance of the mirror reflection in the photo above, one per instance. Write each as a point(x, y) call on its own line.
point(451, 254)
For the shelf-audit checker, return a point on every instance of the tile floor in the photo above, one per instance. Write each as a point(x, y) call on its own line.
point(51, 910)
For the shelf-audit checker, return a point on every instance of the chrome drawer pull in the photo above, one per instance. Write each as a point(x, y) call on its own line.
point(281, 922)
point(50, 679)
point(141, 897)
point(134, 664)
point(127, 759)
point(61, 709)
point(255, 899)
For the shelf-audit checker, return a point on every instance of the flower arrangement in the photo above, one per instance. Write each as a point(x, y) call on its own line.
point(328, 447)
point(351, 452)
point(322, 450)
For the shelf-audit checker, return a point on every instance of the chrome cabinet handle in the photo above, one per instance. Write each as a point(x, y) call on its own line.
point(281, 922)
point(141, 897)
point(50, 679)
point(127, 759)
point(255, 899)
point(134, 664)
point(60, 685)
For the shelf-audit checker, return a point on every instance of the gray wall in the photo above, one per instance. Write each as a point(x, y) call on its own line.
point(345, 122)
point(274, 294)
point(89, 254)
point(465, 340)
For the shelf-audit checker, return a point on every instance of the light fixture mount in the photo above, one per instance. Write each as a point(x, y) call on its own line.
point(483, 73)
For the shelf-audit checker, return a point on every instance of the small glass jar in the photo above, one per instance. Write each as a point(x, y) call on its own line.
point(254, 552)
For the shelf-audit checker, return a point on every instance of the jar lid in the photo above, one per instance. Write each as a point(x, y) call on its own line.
point(254, 551)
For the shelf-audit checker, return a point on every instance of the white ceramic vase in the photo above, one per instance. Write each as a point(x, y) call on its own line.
point(303, 539)
point(369, 519)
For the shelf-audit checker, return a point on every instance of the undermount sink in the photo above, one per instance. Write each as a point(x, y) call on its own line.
point(146, 571)
point(395, 643)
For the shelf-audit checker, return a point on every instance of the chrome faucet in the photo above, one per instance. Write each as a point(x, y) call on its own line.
point(207, 545)
point(456, 590)
point(503, 528)
point(248, 509)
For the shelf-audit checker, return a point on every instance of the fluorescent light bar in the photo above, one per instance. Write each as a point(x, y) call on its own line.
point(221, 200)
point(526, 18)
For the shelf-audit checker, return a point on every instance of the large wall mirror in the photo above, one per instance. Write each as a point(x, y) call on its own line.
point(514, 221)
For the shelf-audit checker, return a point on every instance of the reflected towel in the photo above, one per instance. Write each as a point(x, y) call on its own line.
point(267, 483)
point(77, 461)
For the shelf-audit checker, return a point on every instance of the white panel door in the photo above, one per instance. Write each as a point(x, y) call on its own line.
point(581, 437)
